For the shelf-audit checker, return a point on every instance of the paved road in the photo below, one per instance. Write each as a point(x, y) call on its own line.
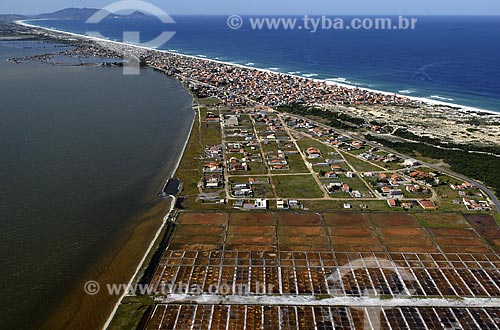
point(480, 185)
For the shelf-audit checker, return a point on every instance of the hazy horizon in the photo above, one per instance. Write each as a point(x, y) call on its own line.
point(264, 7)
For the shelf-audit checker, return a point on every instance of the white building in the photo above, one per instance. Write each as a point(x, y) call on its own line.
point(281, 205)
point(261, 204)
point(411, 162)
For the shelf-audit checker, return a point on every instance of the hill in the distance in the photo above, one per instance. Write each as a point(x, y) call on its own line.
point(73, 13)
point(85, 13)
point(11, 17)
point(69, 13)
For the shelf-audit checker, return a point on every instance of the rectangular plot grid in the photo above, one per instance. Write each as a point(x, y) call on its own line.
point(222, 317)
point(323, 273)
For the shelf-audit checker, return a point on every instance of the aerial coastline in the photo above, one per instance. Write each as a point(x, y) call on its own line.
point(135, 234)
point(405, 119)
point(398, 96)
point(142, 264)
point(240, 86)
point(244, 85)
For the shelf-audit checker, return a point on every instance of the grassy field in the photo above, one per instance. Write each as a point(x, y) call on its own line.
point(360, 165)
point(432, 160)
point(255, 168)
point(208, 101)
point(442, 220)
point(416, 195)
point(329, 205)
point(260, 190)
point(496, 215)
point(356, 184)
point(244, 179)
point(261, 128)
point(359, 151)
point(392, 166)
point(325, 150)
point(297, 186)
point(189, 171)
point(130, 312)
point(447, 196)
point(326, 169)
point(270, 146)
point(296, 164)
point(210, 134)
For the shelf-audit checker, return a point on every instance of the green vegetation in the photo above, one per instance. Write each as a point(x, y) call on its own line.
point(296, 163)
point(211, 134)
point(496, 215)
point(189, 171)
point(441, 220)
point(392, 166)
point(270, 146)
point(331, 118)
point(356, 184)
point(429, 160)
point(359, 164)
point(331, 205)
point(130, 312)
point(297, 186)
point(321, 170)
point(481, 167)
point(254, 168)
point(425, 139)
point(304, 144)
point(208, 101)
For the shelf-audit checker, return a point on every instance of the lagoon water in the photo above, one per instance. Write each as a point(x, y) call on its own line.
point(82, 150)
point(451, 59)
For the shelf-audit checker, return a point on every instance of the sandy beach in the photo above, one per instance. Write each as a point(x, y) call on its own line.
point(267, 70)
point(425, 117)
point(429, 118)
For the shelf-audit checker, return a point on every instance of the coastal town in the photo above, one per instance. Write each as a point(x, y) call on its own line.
point(282, 220)
point(259, 159)
point(236, 86)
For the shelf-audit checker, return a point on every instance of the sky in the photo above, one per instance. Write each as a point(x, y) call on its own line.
point(270, 7)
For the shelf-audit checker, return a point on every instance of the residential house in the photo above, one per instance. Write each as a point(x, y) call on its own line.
point(282, 205)
point(427, 204)
point(313, 153)
point(410, 162)
point(392, 203)
point(261, 204)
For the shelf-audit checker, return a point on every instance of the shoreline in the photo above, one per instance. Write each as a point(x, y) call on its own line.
point(145, 227)
point(73, 301)
point(141, 265)
point(146, 224)
point(179, 159)
point(423, 100)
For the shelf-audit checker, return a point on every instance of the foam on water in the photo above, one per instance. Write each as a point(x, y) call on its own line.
point(437, 97)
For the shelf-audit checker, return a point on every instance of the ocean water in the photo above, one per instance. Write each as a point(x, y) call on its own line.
point(450, 59)
point(83, 150)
